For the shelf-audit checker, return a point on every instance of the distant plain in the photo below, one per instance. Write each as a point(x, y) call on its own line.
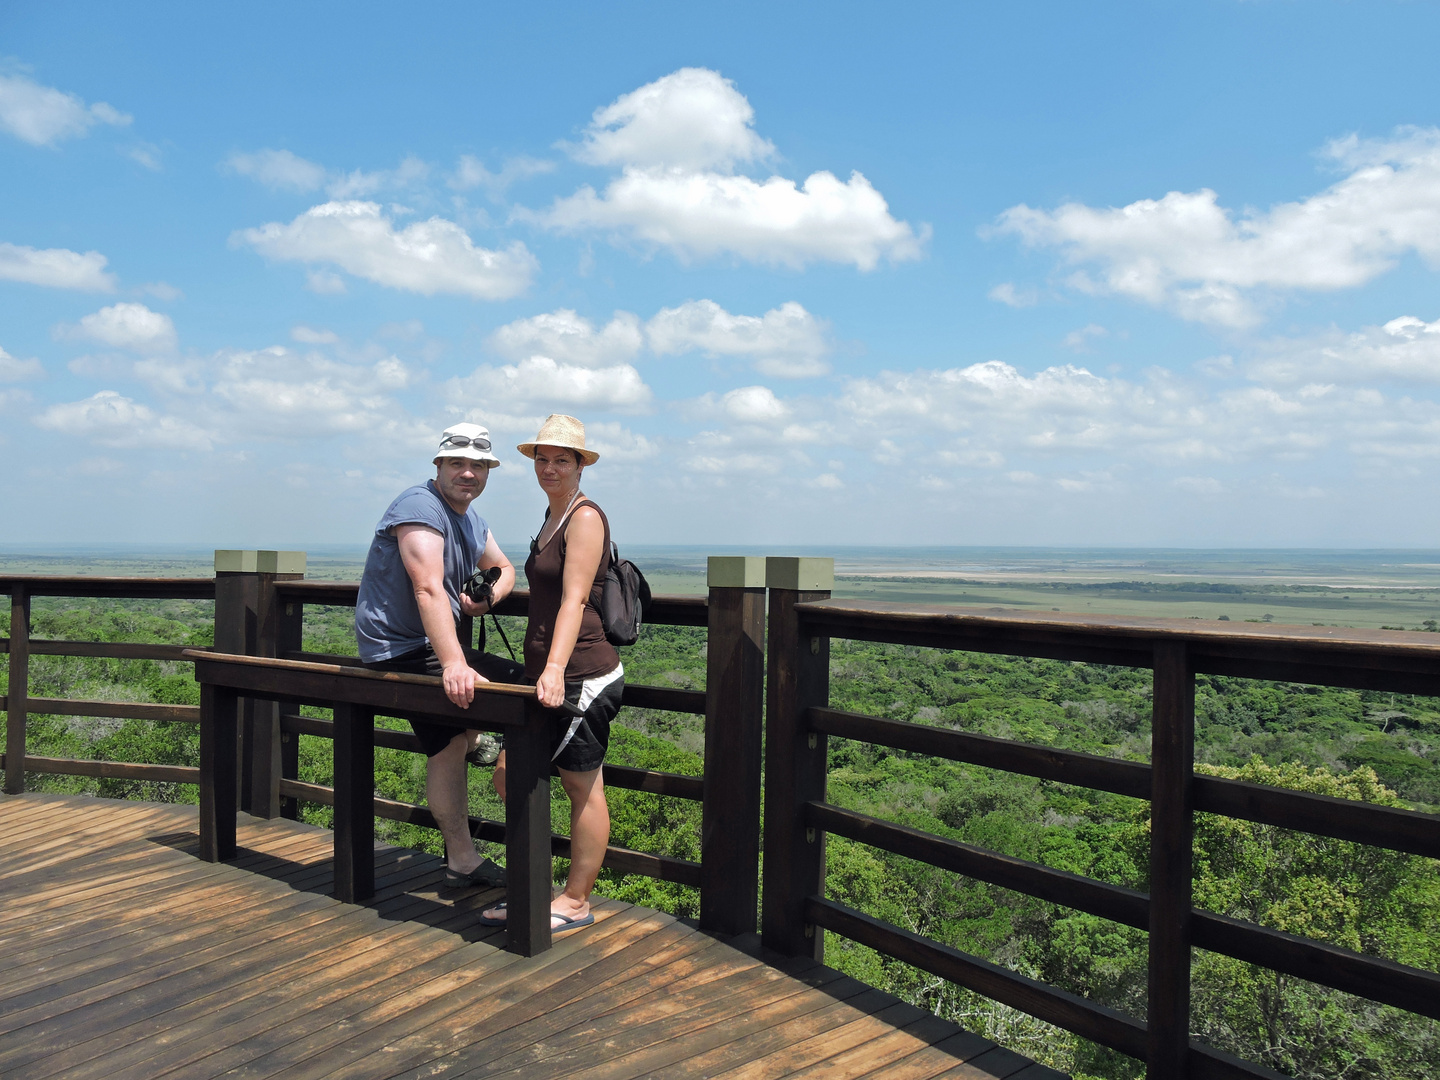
point(1375, 588)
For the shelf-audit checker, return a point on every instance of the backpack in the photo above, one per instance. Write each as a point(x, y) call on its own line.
point(623, 600)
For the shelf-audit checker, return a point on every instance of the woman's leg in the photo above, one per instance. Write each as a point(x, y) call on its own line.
point(589, 837)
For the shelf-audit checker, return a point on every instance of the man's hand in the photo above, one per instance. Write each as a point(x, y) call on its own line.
point(470, 607)
point(460, 681)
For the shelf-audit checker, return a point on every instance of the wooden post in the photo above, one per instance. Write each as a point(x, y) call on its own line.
point(265, 743)
point(797, 677)
point(527, 832)
point(244, 624)
point(1172, 767)
point(734, 725)
point(354, 803)
point(16, 709)
point(289, 627)
point(217, 772)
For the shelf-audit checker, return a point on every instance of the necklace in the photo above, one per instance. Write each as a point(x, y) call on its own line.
point(561, 520)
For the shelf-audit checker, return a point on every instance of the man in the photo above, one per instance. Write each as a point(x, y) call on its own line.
point(424, 549)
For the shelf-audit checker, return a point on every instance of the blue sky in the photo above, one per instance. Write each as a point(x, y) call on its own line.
point(1124, 274)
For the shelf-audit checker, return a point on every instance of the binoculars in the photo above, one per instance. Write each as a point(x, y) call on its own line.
point(481, 585)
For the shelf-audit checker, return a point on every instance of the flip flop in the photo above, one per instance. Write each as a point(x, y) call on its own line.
point(487, 874)
point(566, 922)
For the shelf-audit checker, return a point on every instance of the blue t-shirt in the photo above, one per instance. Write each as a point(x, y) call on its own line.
point(387, 618)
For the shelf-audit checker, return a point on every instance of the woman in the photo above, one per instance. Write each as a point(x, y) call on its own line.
point(567, 656)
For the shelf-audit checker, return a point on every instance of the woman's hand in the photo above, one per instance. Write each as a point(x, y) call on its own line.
point(550, 687)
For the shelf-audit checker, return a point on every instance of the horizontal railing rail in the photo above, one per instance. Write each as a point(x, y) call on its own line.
point(800, 721)
point(110, 588)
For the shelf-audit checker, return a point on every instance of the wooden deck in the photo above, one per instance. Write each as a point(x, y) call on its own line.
point(124, 957)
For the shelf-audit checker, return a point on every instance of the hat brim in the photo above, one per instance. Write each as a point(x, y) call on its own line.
point(470, 454)
point(587, 457)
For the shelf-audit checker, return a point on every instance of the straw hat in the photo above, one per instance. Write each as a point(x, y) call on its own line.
point(470, 441)
point(564, 431)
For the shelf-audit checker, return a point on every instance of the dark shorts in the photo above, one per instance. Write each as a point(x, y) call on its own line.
point(581, 741)
point(435, 737)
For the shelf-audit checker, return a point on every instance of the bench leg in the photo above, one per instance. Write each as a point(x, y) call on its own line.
point(218, 732)
point(354, 803)
point(527, 834)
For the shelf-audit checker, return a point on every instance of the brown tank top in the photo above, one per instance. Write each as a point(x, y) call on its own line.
point(545, 572)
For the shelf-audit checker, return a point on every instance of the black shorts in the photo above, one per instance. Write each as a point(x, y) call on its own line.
point(423, 661)
point(580, 742)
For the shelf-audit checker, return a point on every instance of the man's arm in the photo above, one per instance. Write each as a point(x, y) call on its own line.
point(491, 556)
point(422, 550)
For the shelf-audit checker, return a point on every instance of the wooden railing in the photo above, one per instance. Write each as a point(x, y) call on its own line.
point(261, 617)
point(18, 704)
point(292, 596)
point(799, 723)
point(261, 614)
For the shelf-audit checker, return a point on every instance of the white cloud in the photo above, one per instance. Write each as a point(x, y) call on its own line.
point(434, 256)
point(325, 283)
point(617, 443)
point(110, 419)
point(125, 326)
point(56, 268)
point(1007, 293)
point(42, 115)
point(278, 169)
point(988, 413)
point(1079, 340)
point(715, 454)
point(309, 336)
point(283, 393)
point(700, 215)
point(540, 381)
point(1186, 252)
point(359, 183)
point(1199, 485)
point(15, 400)
point(691, 119)
point(146, 154)
point(1404, 350)
point(409, 330)
point(569, 338)
point(13, 369)
point(786, 342)
point(162, 290)
point(678, 141)
point(754, 405)
point(471, 173)
point(282, 170)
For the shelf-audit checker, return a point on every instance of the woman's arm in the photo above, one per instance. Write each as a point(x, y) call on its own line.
point(584, 547)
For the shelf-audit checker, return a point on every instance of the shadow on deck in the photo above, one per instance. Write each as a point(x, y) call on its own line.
point(127, 957)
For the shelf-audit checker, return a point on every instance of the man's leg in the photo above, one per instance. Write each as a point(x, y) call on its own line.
point(449, 800)
point(589, 837)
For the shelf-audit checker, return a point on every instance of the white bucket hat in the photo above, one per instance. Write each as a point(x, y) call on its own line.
point(564, 431)
point(466, 441)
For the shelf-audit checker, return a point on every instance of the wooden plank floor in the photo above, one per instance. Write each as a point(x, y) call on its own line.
point(123, 957)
